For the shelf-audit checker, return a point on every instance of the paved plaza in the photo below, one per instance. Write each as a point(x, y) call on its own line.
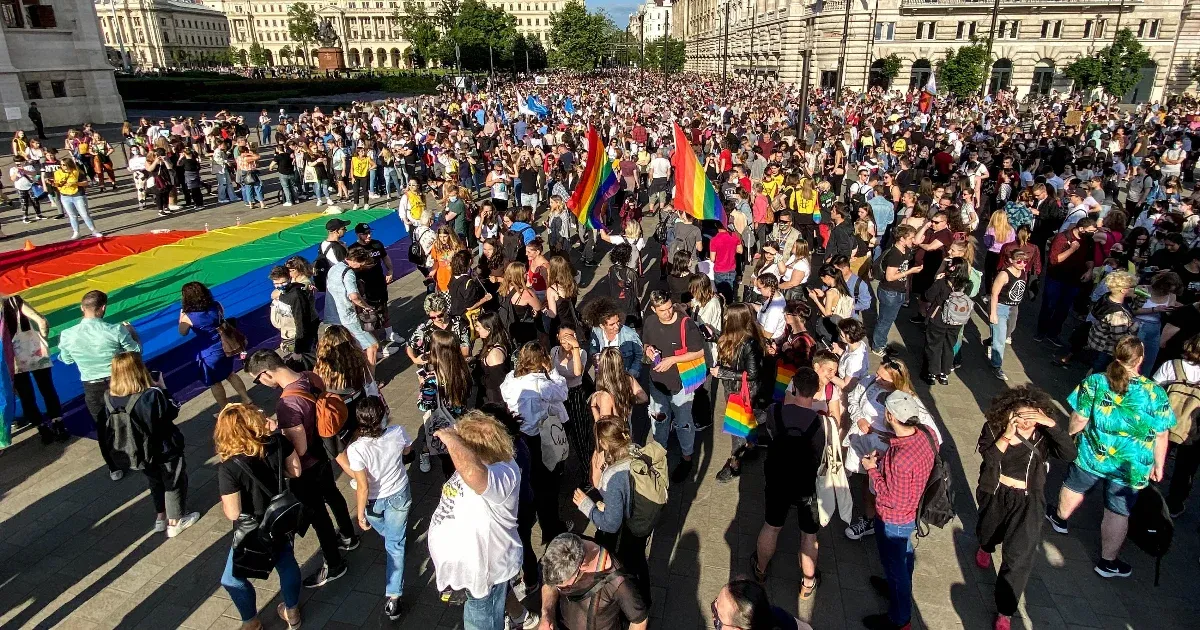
point(77, 552)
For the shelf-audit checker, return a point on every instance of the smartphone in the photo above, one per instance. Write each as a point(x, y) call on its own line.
point(655, 356)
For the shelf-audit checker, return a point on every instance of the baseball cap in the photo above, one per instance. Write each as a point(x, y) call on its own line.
point(905, 407)
point(334, 225)
point(362, 228)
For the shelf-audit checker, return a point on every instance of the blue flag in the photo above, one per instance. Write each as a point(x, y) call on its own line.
point(500, 111)
point(536, 106)
point(479, 116)
point(569, 106)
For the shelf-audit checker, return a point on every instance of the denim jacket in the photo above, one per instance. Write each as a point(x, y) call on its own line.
point(628, 342)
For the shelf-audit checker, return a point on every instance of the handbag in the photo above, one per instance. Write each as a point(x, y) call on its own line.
point(31, 352)
point(833, 488)
point(739, 413)
point(253, 558)
point(233, 341)
point(692, 374)
point(554, 441)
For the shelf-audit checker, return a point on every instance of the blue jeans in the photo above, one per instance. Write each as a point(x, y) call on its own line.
point(1057, 299)
point(242, 592)
point(896, 555)
point(726, 284)
point(889, 308)
point(486, 613)
point(264, 135)
point(1150, 332)
point(76, 208)
point(320, 190)
point(226, 192)
point(391, 180)
point(999, 333)
point(252, 192)
point(288, 188)
point(677, 412)
point(389, 517)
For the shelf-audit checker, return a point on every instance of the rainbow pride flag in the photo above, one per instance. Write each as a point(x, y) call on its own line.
point(692, 373)
point(783, 378)
point(143, 276)
point(694, 194)
point(596, 185)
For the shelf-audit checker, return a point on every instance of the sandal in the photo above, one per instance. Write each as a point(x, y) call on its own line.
point(282, 610)
point(759, 574)
point(807, 590)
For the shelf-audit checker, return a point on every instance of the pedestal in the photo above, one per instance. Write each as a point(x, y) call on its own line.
point(331, 59)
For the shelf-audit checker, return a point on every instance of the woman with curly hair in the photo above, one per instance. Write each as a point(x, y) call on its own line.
point(1017, 441)
point(202, 315)
point(343, 368)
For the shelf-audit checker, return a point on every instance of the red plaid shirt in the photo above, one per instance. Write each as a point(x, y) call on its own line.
point(900, 477)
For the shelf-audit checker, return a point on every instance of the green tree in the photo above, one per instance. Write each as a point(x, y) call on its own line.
point(962, 72)
point(421, 31)
point(258, 54)
point(302, 23)
point(537, 54)
point(579, 39)
point(483, 34)
point(225, 57)
point(1116, 68)
point(891, 66)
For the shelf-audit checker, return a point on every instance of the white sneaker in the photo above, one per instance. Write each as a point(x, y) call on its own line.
point(174, 208)
point(373, 195)
point(160, 524)
point(1008, 340)
point(187, 521)
point(396, 338)
point(353, 484)
point(386, 351)
point(423, 463)
point(74, 236)
point(97, 234)
point(287, 204)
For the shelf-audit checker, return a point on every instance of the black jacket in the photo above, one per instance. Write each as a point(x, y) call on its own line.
point(841, 241)
point(304, 311)
point(1046, 442)
point(749, 360)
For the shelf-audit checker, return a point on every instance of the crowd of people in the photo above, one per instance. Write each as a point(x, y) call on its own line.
point(531, 389)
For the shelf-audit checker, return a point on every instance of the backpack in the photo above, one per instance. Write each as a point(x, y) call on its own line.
point(1151, 527)
point(649, 481)
point(1184, 398)
point(284, 516)
point(622, 288)
point(877, 268)
point(128, 436)
point(322, 265)
point(937, 501)
point(957, 309)
point(335, 423)
point(416, 253)
point(513, 244)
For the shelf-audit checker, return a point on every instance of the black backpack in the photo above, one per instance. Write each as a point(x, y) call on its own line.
point(128, 436)
point(416, 253)
point(284, 516)
point(322, 265)
point(1151, 527)
point(622, 288)
point(937, 501)
point(514, 245)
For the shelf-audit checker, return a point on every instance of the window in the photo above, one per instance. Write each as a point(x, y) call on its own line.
point(1051, 29)
point(1148, 29)
point(829, 78)
point(1094, 29)
point(33, 90)
point(966, 30)
point(885, 31)
point(58, 89)
point(926, 30)
point(1007, 29)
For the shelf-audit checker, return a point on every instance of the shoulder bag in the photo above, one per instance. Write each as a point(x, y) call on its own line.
point(833, 488)
point(31, 352)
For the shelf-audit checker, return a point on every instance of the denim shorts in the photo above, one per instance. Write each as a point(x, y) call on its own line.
point(1118, 498)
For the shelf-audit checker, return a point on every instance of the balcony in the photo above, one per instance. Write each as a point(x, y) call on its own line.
point(937, 5)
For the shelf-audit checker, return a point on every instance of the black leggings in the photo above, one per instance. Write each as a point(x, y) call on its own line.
point(315, 488)
point(1014, 518)
point(23, 383)
point(27, 199)
point(360, 187)
point(545, 490)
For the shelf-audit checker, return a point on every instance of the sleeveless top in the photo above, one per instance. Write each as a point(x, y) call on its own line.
point(1013, 290)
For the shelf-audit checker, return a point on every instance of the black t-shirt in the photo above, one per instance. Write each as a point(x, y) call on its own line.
point(894, 258)
point(795, 453)
point(1187, 320)
point(528, 177)
point(464, 292)
point(1013, 291)
point(936, 296)
point(285, 164)
point(233, 476)
point(373, 279)
point(667, 338)
point(1191, 285)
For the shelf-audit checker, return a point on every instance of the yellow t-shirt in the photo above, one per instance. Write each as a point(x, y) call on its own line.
point(416, 204)
point(360, 166)
point(770, 185)
point(66, 183)
point(900, 145)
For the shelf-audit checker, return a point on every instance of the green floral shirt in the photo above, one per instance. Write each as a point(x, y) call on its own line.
point(1118, 441)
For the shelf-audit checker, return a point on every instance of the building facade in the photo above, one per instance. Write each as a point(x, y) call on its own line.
point(53, 54)
point(162, 33)
point(651, 21)
point(1035, 39)
point(369, 29)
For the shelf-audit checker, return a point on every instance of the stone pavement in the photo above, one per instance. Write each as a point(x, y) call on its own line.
point(76, 550)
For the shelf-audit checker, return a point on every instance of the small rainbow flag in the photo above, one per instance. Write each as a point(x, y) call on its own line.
point(596, 185)
point(783, 378)
point(694, 194)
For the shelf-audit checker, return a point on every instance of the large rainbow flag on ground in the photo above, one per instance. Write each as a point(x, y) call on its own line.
point(143, 274)
point(694, 194)
point(596, 185)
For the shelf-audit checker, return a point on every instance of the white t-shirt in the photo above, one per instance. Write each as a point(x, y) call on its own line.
point(1166, 373)
point(660, 167)
point(381, 458)
point(473, 539)
point(22, 183)
point(853, 364)
point(795, 265)
point(770, 317)
point(637, 246)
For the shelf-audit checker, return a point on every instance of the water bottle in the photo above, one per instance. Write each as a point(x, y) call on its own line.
point(238, 220)
point(206, 227)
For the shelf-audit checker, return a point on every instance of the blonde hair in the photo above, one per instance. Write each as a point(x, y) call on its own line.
point(485, 436)
point(1126, 353)
point(612, 438)
point(1120, 280)
point(862, 230)
point(129, 375)
point(633, 231)
point(1001, 228)
point(341, 363)
point(513, 278)
point(240, 430)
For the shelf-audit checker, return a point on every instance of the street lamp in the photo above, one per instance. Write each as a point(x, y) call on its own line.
point(842, 56)
point(987, 74)
point(725, 54)
point(112, 5)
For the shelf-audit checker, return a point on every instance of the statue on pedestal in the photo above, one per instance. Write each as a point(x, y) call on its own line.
point(326, 35)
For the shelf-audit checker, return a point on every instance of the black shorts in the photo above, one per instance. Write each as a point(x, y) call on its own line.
point(780, 502)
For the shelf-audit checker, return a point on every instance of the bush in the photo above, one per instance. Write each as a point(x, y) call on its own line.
point(210, 89)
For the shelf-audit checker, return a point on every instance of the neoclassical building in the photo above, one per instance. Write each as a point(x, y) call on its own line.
point(369, 29)
point(162, 33)
point(1035, 39)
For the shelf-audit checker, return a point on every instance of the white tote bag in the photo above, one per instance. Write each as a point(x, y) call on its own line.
point(833, 489)
point(554, 441)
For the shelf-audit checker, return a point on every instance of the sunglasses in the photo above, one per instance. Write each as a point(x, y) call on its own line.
point(259, 376)
point(439, 317)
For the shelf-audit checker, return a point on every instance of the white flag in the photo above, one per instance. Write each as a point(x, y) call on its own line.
point(931, 85)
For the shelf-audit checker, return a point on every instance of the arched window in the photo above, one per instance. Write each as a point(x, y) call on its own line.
point(1043, 78)
point(1001, 76)
point(878, 78)
point(919, 76)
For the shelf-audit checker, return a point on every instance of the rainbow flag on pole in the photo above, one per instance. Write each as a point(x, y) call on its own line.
point(783, 378)
point(596, 185)
point(694, 194)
